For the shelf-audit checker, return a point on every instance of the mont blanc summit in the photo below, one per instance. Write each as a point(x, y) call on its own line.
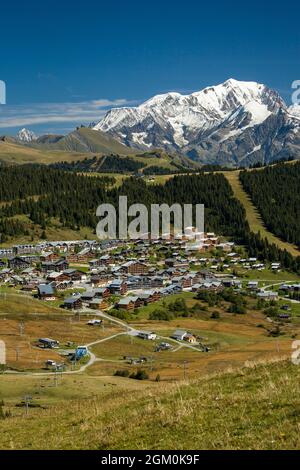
point(235, 123)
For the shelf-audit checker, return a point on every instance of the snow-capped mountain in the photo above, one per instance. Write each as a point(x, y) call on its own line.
point(232, 123)
point(25, 135)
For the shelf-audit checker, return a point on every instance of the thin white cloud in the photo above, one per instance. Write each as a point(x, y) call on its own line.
point(42, 113)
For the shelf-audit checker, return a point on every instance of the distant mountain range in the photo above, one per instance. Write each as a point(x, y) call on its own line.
point(90, 145)
point(81, 140)
point(235, 124)
point(232, 124)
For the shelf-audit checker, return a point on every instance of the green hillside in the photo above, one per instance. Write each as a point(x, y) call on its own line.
point(85, 140)
point(16, 154)
point(93, 150)
point(256, 407)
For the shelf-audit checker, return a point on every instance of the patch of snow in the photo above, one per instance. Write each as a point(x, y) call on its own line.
point(258, 111)
point(294, 111)
point(139, 138)
point(178, 133)
point(25, 135)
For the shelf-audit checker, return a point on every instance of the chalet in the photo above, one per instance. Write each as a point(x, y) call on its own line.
point(4, 252)
point(275, 266)
point(49, 256)
point(147, 335)
point(24, 249)
point(58, 265)
point(135, 282)
point(73, 303)
point(82, 256)
point(268, 295)
point(179, 335)
point(127, 303)
point(104, 260)
point(88, 296)
point(174, 272)
point(98, 303)
point(118, 286)
point(172, 289)
point(156, 281)
point(29, 287)
point(204, 274)
point(102, 292)
point(99, 279)
point(30, 272)
point(16, 280)
point(176, 263)
point(5, 274)
point(75, 275)
point(190, 338)
point(46, 292)
point(63, 285)
point(211, 285)
point(290, 287)
point(18, 262)
point(134, 267)
point(57, 276)
point(252, 285)
point(150, 297)
point(186, 282)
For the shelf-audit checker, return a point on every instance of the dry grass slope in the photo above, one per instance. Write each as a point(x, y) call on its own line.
point(254, 408)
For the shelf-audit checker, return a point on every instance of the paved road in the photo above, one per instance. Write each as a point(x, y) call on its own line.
point(91, 361)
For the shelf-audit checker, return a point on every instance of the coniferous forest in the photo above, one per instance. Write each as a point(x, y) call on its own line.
point(275, 191)
point(43, 193)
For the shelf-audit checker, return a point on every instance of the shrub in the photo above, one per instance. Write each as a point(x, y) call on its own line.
point(120, 313)
point(141, 374)
point(122, 373)
point(215, 315)
point(161, 314)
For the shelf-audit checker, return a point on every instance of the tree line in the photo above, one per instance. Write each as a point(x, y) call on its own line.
point(275, 191)
point(43, 193)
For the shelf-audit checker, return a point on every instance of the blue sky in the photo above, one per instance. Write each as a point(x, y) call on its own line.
point(66, 63)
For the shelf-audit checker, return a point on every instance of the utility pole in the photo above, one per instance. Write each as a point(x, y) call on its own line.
point(185, 370)
point(55, 377)
point(27, 400)
point(21, 328)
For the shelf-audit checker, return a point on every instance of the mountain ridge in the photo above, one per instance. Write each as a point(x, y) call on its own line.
point(234, 123)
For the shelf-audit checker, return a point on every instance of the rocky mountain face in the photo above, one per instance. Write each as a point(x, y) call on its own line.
point(235, 123)
point(25, 135)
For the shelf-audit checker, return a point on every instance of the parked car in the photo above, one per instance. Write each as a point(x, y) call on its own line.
point(50, 363)
point(94, 322)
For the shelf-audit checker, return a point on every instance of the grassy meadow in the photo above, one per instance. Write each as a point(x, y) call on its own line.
point(255, 407)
